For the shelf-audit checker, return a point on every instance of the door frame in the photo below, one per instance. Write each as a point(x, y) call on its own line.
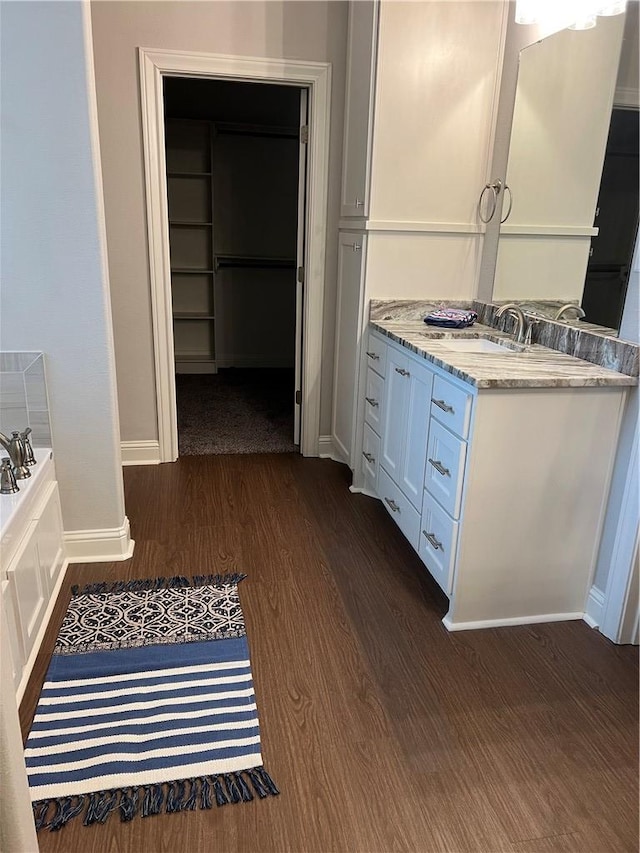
point(316, 76)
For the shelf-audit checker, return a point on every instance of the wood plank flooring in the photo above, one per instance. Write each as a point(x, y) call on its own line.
point(383, 731)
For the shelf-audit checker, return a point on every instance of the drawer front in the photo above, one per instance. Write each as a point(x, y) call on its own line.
point(444, 471)
point(399, 508)
point(376, 354)
point(370, 458)
point(373, 400)
point(451, 406)
point(438, 541)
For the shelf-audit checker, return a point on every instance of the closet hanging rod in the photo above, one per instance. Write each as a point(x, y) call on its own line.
point(233, 129)
point(253, 262)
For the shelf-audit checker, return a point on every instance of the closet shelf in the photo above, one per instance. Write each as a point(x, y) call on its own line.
point(253, 262)
point(190, 270)
point(192, 315)
point(188, 222)
point(188, 174)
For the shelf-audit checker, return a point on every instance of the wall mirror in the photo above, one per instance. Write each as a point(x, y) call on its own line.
point(573, 171)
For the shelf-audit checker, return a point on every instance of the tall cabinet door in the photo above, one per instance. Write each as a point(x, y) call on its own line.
point(416, 424)
point(351, 247)
point(394, 413)
point(363, 24)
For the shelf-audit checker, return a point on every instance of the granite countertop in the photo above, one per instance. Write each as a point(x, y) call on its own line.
point(535, 366)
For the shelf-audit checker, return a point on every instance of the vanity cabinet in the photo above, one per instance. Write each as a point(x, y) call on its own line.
point(500, 490)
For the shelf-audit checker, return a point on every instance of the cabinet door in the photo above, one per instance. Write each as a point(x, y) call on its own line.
point(350, 250)
point(358, 107)
point(49, 538)
point(394, 413)
point(416, 432)
point(28, 589)
point(13, 634)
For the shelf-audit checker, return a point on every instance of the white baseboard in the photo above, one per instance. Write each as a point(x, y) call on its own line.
point(361, 490)
point(99, 546)
point(140, 452)
point(506, 623)
point(26, 670)
point(330, 448)
point(595, 604)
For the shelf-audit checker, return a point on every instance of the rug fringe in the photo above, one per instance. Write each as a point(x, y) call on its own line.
point(149, 584)
point(149, 800)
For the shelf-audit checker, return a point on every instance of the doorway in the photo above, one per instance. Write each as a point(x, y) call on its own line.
point(236, 179)
point(609, 264)
point(155, 66)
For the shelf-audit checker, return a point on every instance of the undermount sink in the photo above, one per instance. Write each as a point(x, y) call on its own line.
point(480, 345)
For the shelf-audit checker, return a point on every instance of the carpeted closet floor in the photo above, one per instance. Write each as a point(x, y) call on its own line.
point(235, 411)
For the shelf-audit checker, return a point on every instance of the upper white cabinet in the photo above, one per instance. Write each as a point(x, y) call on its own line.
point(358, 113)
point(421, 84)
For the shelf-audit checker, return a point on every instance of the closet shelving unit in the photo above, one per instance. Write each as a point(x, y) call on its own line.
point(197, 201)
point(189, 149)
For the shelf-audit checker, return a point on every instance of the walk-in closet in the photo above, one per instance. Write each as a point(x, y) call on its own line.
point(234, 193)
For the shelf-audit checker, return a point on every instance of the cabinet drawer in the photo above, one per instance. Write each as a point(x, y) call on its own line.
point(451, 406)
point(376, 354)
point(438, 540)
point(444, 471)
point(399, 508)
point(373, 400)
point(370, 458)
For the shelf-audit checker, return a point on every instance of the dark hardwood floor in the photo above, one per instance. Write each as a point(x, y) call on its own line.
point(383, 731)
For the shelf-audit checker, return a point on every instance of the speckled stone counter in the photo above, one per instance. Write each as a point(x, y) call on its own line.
point(586, 342)
point(534, 366)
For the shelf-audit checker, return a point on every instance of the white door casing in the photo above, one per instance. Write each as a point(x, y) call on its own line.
point(300, 257)
point(316, 77)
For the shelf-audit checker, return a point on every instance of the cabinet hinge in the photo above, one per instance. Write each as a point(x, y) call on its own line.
point(304, 134)
point(298, 398)
point(301, 275)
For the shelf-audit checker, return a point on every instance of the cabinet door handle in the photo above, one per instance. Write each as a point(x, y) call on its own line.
point(371, 401)
point(359, 202)
point(444, 406)
point(402, 371)
point(354, 246)
point(394, 506)
point(373, 355)
point(440, 468)
point(432, 540)
point(371, 459)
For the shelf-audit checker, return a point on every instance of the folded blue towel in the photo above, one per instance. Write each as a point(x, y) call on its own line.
point(451, 318)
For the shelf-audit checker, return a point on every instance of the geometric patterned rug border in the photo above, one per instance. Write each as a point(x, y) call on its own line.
point(148, 704)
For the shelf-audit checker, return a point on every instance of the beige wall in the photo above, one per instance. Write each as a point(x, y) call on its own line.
point(290, 30)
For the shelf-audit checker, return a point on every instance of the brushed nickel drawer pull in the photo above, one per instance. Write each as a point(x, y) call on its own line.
point(402, 371)
point(371, 401)
point(440, 468)
point(433, 541)
point(394, 506)
point(444, 406)
point(373, 355)
point(370, 459)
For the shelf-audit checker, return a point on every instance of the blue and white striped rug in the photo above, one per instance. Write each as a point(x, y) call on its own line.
point(148, 705)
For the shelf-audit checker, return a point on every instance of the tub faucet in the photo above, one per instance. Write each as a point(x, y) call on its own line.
point(579, 312)
point(514, 311)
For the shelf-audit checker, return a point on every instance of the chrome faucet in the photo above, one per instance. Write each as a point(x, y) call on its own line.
point(579, 312)
point(514, 311)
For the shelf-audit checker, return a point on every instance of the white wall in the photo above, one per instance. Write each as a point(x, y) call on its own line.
point(291, 30)
point(54, 280)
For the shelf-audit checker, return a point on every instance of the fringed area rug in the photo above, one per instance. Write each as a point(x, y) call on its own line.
point(147, 706)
